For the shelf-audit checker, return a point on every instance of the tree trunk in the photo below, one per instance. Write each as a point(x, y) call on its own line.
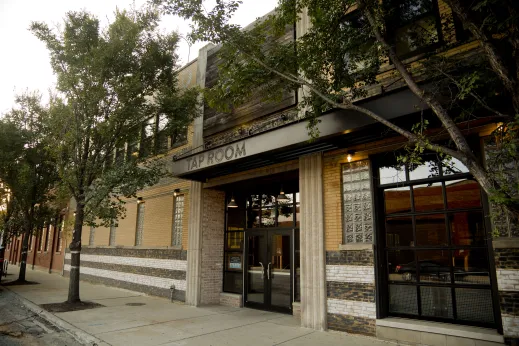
point(25, 245)
point(75, 251)
point(23, 260)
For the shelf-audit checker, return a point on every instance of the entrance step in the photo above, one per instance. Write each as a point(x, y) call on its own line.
point(416, 332)
point(231, 299)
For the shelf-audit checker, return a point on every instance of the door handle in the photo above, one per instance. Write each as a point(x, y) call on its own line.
point(262, 271)
point(268, 270)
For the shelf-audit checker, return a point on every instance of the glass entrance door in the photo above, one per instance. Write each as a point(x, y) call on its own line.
point(269, 270)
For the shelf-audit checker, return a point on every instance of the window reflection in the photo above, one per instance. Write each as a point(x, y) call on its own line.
point(298, 214)
point(464, 193)
point(253, 211)
point(401, 265)
point(268, 211)
point(397, 200)
point(428, 197)
point(392, 174)
point(471, 266)
point(428, 169)
point(399, 231)
point(467, 228)
point(453, 166)
point(434, 266)
point(431, 230)
point(286, 211)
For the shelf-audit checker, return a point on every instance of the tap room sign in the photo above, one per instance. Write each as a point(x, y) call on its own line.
point(216, 156)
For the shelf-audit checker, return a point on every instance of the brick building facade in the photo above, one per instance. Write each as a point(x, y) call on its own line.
point(328, 231)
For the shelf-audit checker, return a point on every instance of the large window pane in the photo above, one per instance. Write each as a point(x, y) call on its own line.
point(434, 266)
point(233, 282)
point(401, 265)
point(415, 36)
point(463, 194)
point(234, 241)
point(471, 266)
point(397, 200)
point(453, 166)
point(474, 305)
point(298, 213)
point(236, 217)
point(268, 211)
point(399, 231)
point(403, 299)
point(467, 228)
point(391, 174)
point(429, 169)
point(428, 197)
point(436, 301)
point(431, 230)
point(286, 211)
point(253, 212)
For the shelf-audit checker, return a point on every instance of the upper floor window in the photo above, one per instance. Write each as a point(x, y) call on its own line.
point(413, 26)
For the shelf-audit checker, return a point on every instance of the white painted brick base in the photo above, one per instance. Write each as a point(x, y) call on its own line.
point(351, 308)
point(508, 279)
point(346, 273)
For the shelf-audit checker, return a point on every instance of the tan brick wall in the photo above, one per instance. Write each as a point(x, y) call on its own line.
point(126, 227)
point(158, 221)
point(85, 233)
point(212, 245)
point(102, 235)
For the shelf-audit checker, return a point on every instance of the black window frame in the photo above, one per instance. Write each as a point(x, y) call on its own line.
point(381, 270)
point(393, 24)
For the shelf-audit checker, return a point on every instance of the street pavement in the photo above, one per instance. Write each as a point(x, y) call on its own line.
point(20, 326)
point(131, 318)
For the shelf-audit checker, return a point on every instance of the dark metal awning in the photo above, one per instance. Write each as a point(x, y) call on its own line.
point(337, 129)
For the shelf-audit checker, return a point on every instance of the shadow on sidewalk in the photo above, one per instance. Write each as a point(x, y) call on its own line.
point(66, 307)
point(19, 283)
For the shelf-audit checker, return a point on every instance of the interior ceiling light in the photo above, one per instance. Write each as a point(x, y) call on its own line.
point(282, 196)
point(232, 203)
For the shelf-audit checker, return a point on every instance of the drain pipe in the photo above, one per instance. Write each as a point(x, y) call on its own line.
point(172, 289)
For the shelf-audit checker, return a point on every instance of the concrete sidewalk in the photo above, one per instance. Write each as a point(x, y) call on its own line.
point(131, 318)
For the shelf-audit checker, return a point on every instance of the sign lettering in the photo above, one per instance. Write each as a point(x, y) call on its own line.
point(219, 155)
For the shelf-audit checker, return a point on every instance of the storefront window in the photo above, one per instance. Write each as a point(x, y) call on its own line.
point(436, 250)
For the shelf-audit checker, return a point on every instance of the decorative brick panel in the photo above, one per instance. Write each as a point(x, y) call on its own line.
point(351, 291)
point(352, 324)
point(350, 257)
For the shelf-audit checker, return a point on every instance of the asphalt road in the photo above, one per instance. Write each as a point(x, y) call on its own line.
point(19, 326)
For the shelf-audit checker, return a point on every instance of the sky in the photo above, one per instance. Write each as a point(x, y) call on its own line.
point(24, 60)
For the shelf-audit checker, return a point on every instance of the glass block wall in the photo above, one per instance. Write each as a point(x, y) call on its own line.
point(357, 208)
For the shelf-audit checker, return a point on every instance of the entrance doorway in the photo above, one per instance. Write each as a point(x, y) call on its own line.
point(261, 251)
point(269, 264)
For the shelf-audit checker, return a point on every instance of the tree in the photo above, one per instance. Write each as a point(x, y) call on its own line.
point(341, 54)
point(26, 168)
point(110, 82)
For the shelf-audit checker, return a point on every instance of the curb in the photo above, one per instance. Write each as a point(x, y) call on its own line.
point(78, 334)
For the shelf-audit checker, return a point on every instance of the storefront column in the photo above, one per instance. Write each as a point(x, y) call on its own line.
point(194, 237)
point(313, 281)
point(194, 241)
